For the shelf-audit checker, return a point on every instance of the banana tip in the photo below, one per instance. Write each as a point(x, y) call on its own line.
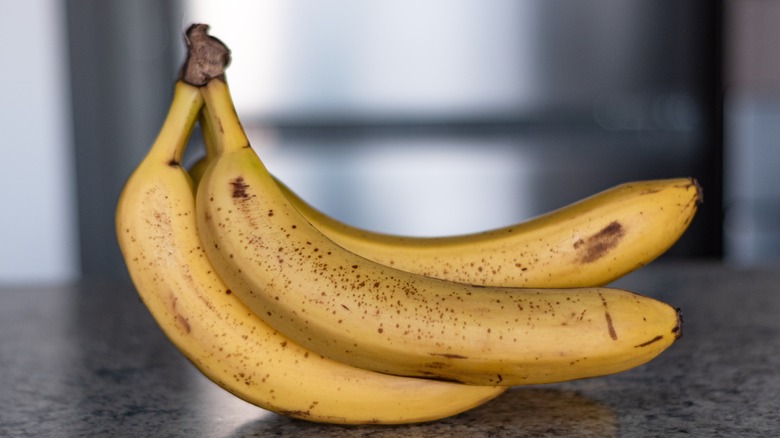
point(677, 330)
point(699, 191)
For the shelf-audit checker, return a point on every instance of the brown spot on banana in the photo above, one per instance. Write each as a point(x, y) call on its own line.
point(599, 244)
point(239, 188)
point(181, 319)
point(184, 323)
point(449, 355)
point(645, 344)
point(608, 317)
point(610, 327)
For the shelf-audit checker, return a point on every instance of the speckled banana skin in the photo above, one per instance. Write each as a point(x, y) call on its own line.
point(588, 243)
point(156, 231)
point(373, 316)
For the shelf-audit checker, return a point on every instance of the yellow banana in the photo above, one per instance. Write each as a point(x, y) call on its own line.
point(588, 243)
point(372, 316)
point(591, 242)
point(156, 230)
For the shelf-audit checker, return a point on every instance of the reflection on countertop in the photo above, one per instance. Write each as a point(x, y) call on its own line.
point(518, 412)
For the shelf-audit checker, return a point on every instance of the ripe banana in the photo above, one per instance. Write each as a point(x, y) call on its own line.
point(589, 243)
point(592, 242)
point(156, 231)
point(372, 316)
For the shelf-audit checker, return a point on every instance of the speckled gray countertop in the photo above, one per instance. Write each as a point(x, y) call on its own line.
point(88, 360)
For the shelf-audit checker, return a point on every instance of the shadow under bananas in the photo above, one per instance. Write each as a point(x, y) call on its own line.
point(520, 412)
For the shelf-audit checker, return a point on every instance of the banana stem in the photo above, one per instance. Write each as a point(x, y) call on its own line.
point(175, 132)
point(209, 138)
point(207, 57)
point(229, 135)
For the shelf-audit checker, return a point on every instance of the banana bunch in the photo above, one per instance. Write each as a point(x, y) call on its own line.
point(305, 316)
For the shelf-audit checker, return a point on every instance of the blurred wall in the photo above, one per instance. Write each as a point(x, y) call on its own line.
point(124, 58)
point(38, 232)
point(752, 195)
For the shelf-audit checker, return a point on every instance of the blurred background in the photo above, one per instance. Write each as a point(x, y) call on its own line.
point(415, 117)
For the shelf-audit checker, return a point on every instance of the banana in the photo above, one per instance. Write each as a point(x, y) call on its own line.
point(156, 231)
point(376, 317)
point(591, 242)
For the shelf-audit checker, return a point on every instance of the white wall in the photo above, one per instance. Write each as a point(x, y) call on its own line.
point(38, 241)
point(347, 58)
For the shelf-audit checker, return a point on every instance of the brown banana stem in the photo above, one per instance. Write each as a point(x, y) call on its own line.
point(207, 57)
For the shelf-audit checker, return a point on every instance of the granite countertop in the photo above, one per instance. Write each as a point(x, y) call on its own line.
point(88, 360)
